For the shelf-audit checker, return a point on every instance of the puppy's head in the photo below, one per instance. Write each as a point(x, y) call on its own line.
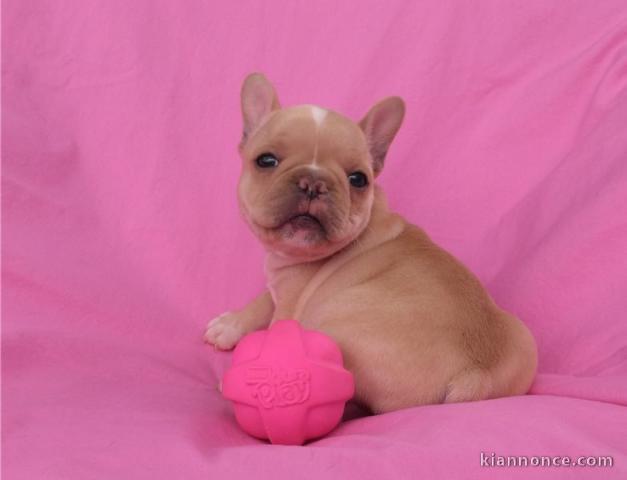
point(306, 188)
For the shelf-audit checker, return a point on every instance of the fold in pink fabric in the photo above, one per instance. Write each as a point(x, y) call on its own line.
point(121, 235)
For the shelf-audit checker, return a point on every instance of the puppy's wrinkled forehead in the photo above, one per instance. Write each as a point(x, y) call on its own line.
point(308, 131)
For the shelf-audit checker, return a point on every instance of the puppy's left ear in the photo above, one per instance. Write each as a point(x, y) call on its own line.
point(380, 126)
point(258, 98)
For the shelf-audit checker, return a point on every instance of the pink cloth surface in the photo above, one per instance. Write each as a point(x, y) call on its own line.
point(121, 234)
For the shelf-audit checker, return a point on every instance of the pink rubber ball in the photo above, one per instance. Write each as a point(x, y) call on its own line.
point(287, 384)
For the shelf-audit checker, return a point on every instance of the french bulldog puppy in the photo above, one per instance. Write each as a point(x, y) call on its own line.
point(414, 325)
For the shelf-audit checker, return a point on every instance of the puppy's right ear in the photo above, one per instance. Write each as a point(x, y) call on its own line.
point(258, 100)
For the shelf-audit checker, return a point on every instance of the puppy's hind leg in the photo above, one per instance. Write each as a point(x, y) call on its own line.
point(468, 385)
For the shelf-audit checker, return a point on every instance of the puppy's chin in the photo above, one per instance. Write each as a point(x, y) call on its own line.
point(302, 238)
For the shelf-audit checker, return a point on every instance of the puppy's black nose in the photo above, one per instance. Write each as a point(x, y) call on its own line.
point(312, 187)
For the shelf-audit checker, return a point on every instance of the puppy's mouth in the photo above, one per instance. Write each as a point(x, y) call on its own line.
point(305, 221)
point(302, 228)
point(305, 230)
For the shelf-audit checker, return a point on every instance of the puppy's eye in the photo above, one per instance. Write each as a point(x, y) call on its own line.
point(358, 179)
point(267, 160)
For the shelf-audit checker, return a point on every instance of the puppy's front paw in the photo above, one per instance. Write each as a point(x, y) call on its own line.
point(224, 332)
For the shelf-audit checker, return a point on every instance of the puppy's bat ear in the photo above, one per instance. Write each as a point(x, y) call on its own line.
point(258, 99)
point(380, 126)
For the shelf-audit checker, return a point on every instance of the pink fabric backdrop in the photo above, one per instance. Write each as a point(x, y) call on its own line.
point(121, 236)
